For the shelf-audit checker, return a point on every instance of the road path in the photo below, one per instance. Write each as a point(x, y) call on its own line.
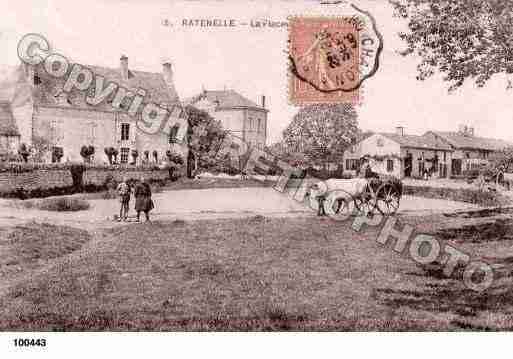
point(215, 203)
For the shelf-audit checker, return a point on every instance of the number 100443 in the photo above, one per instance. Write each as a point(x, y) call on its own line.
point(26, 342)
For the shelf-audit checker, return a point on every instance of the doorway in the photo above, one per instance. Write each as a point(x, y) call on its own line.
point(456, 167)
point(408, 165)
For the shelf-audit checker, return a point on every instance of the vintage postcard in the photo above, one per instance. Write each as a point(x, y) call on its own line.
point(172, 166)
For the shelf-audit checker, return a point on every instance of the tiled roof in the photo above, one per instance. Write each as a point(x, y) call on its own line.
point(226, 99)
point(458, 140)
point(414, 141)
point(157, 91)
point(7, 123)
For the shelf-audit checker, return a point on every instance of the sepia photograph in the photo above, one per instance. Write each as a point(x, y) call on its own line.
point(198, 167)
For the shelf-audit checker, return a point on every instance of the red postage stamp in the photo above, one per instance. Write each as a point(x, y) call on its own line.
point(325, 59)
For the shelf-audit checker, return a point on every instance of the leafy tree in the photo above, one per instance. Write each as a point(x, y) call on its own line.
point(115, 154)
point(205, 135)
point(91, 151)
point(281, 151)
point(86, 152)
point(319, 134)
point(41, 146)
point(57, 154)
point(502, 160)
point(460, 38)
point(135, 154)
point(24, 152)
point(109, 151)
point(175, 161)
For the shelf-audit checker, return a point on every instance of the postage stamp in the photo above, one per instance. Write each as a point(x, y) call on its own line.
point(330, 57)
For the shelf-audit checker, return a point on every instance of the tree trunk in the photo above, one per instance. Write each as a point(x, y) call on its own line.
point(190, 163)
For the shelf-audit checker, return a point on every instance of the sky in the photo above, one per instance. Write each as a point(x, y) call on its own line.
point(252, 61)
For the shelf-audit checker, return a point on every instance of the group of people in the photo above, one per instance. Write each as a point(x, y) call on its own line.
point(143, 200)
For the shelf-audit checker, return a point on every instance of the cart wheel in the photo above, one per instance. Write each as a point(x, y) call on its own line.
point(366, 202)
point(387, 199)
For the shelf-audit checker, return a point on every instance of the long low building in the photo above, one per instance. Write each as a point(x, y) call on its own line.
point(440, 154)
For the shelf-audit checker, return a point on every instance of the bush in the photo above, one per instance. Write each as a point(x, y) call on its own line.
point(482, 198)
point(24, 152)
point(58, 204)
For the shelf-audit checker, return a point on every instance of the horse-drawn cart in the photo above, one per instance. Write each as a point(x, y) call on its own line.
point(381, 194)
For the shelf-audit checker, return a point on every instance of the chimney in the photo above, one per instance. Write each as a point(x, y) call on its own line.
point(399, 130)
point(123, 66)
point(263, 101)
point(167, 71)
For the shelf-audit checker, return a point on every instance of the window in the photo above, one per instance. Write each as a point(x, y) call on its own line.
point(421, 168)
point(390, 165)
point(173, 131)
point(37, 80)
point(351, 164)
point(380, 142)
point(125, 131)
point(259, 125)
point(124, 154)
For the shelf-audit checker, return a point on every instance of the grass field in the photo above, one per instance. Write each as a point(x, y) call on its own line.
point(245, 274)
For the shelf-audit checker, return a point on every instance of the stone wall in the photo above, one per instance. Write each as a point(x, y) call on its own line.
point(37, 179)
point(99, 176)
point(44, 179)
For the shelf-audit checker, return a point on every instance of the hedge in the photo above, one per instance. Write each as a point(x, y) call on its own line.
point(20, 167)
point(482, 198)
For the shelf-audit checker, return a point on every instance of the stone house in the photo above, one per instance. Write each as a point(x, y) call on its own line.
point(242, 117)
point(470, 152)
point(44, 112)
point(401, 155)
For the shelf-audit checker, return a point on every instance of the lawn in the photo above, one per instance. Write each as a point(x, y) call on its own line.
point(245, 274)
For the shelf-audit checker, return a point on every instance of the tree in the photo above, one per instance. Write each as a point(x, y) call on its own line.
point(109, 151)
point(115, 155)
point(57, 154)
point(174, 162)
point(135, 154)
point(460, 38)
point(41, 146)
point(86, 152)
point(205, 135)
point(502, 160)
point(24, 152)
point(320, 133)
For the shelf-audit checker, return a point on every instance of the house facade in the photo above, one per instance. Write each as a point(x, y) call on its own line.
point(470, 152)
point(44, 113)
point(401, 155)
point(242, 117)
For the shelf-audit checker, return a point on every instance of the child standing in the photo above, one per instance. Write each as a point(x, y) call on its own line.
point(124, 199)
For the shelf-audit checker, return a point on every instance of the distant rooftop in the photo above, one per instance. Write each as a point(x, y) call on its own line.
point(225, 99)
point(415, 141)
point(465, 141)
